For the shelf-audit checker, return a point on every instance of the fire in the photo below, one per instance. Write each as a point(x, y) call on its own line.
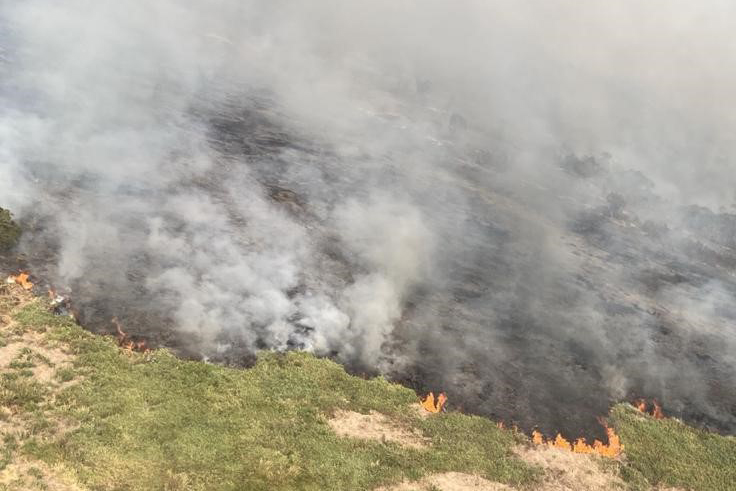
point(611, 450)
point(642, 406)
point(657, 411)
point(502, 426)
point(22, 279)
point(537, 438)
point(433, 406)
point(125, 342)
point(581, 446)
point(561, 443)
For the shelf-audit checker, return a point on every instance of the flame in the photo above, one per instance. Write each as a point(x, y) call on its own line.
point(560, 442)
point(125, 342)
point(537, 438)
point(611, 450)
point(657, 411)
point(581, 446)
point(642, 406)
point(22, 280)
point(433, 406)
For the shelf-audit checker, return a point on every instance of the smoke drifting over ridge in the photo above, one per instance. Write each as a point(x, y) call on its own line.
point(525, 205)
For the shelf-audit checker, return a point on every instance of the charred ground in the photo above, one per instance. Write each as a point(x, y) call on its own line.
point(542, 309)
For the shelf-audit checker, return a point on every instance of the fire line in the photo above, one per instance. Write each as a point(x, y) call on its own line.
point(611, 450)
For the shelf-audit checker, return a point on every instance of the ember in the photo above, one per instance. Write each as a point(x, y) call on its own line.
point(433, 406)
point(611, 450)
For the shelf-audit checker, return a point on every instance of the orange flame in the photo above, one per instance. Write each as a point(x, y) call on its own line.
point(611, 450)
point(537, 438)
point(642, 406)
point(657, 412)
point(561, 443)
point(22, 280)
point(433, 406)
point(581, 446)
point(125, 342)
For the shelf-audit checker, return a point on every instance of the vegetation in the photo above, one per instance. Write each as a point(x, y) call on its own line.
point(90, 415)
point(9, 231)
point(670, 453)
point(152, 421)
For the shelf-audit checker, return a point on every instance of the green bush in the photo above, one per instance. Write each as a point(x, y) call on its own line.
point(9, 230)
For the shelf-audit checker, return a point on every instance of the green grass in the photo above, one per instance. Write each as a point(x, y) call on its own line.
point(150, 422)
point(19, 391)
point(668, 452)
point(154, 422)
point(9, 445)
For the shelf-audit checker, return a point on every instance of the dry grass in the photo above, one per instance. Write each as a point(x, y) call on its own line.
point(24, 474)
point(449, 481)
point(568, 471)
point(375, 426)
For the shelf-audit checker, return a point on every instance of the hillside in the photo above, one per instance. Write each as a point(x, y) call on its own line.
point(79, 412)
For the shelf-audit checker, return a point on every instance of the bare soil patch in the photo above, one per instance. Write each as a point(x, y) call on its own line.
point(23, 474)
point(568, 471)
point(29, 350)
point(449, 481)
point(374, 426)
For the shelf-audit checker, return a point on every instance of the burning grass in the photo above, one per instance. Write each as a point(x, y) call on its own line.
point(113, 418)
point(434, 406)
point(21, 279)
point(150, 421)
point(612, 449)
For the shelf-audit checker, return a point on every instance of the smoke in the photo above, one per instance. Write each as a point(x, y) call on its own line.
point(526, 205)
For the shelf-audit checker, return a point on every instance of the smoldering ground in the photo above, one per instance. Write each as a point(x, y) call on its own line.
point(525, 206)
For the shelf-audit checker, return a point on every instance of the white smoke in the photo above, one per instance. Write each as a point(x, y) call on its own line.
point(420, 141)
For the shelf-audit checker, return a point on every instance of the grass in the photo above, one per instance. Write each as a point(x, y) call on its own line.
point(670, 453)
point(131, 421)
point(152, 421)
point(20, 392)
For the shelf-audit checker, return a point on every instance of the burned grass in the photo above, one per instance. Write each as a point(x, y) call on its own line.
point(110, 418)
point(149, 421)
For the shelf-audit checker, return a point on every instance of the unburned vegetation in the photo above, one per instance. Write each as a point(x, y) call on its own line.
point(79, 412)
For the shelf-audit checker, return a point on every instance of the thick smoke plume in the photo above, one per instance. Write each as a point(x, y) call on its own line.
point(527, 204)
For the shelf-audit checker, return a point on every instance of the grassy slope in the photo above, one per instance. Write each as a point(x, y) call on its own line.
point(156, 422)
point(152, 421)
point(674, 454)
